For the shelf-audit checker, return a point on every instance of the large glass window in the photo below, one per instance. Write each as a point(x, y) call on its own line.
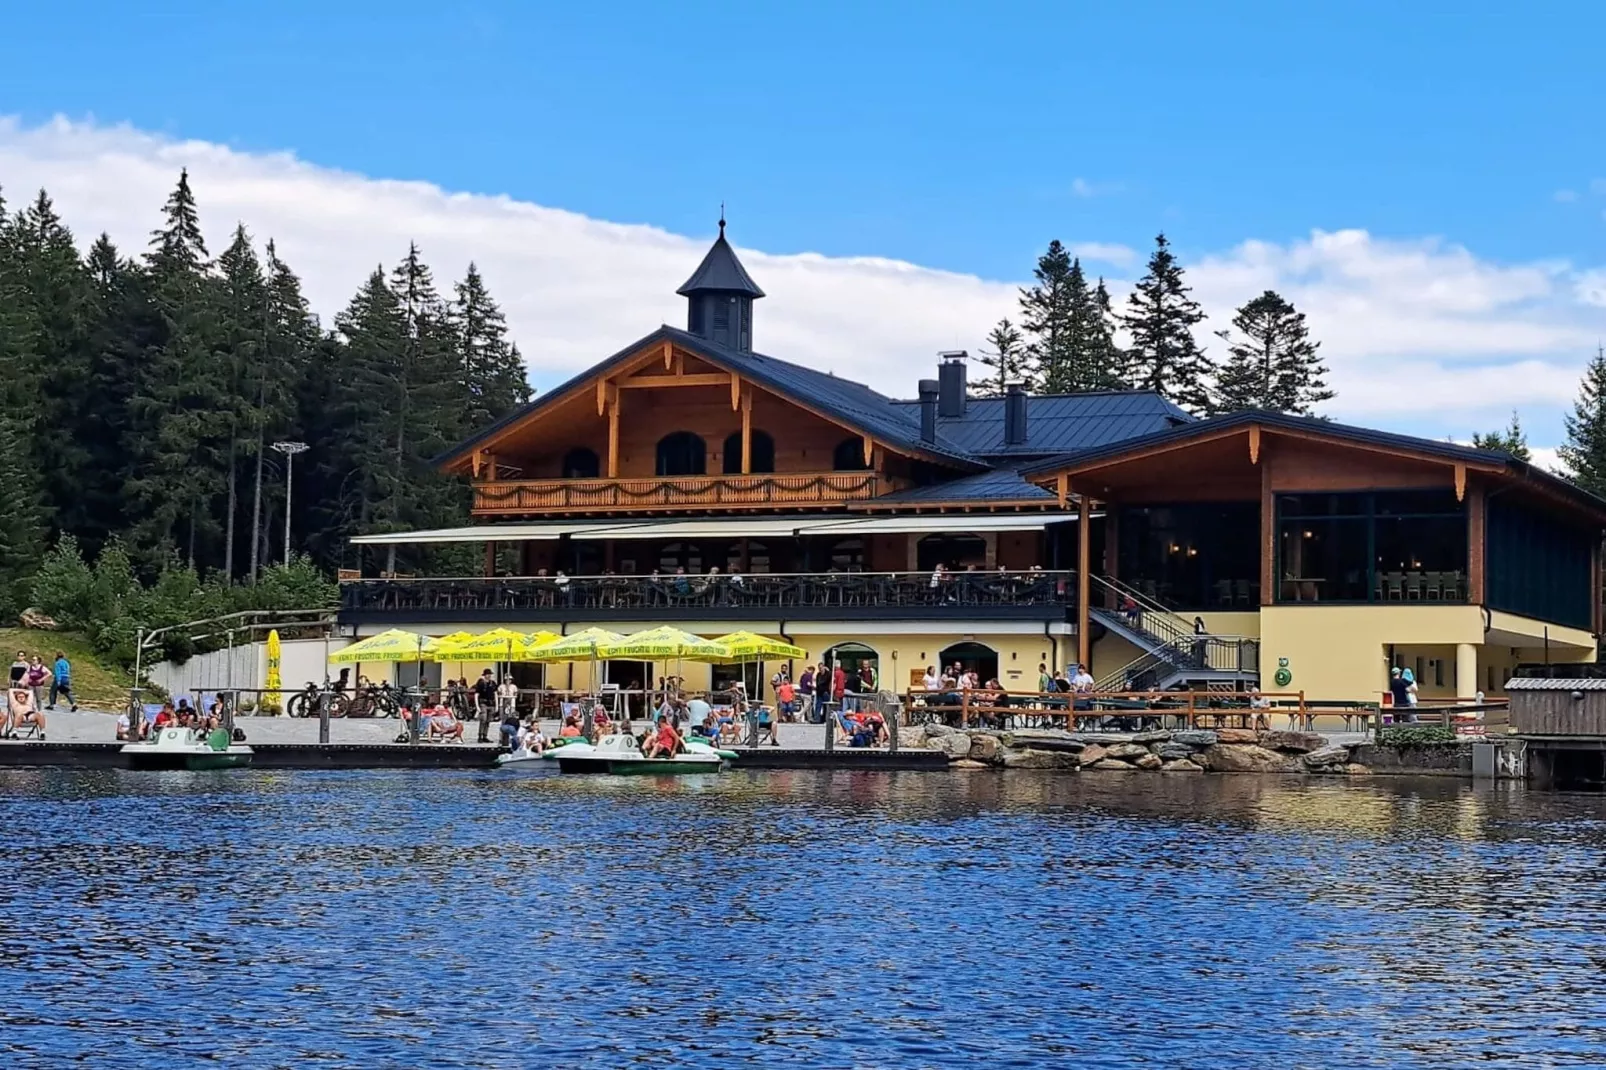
point(1383, 546)
point(1538, 565)
point(682, 454)
point(761, 446)
point(1194, 556)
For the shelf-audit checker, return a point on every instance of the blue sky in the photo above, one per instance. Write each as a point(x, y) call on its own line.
point(955, 136)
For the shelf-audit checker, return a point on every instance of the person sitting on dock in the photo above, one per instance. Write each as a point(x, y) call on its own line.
point(440, 723)
point(571, 727)
point(529, 738)
point(164, 717)
point(24, 712)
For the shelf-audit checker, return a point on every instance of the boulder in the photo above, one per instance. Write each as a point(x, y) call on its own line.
point(1298, 742)
point(1180, 765)
point(1127, 751)
point(935, 729)
point(1101, 738)
point(1093, 753)
point(1172, 750)
point(1046, 739)
point(1157, 735)
point(1198, 737)
point(1149, 761)
point(983, 748)
point(1356, 769)
point(1040, 759)
point(966, 763)
point(1327, 756)
point(1236, 735)
point(37, 619)
point(955, 744)
point(1247, 758)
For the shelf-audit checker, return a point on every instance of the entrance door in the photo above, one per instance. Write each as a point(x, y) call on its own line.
point(976, 657)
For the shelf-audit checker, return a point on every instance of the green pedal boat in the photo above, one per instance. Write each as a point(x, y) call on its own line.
point(621, 756)
point(183, 748)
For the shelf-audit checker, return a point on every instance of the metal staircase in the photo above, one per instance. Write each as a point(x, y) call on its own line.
point(1173, 653)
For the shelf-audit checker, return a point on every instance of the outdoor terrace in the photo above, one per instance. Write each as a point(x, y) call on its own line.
point(1032, 595)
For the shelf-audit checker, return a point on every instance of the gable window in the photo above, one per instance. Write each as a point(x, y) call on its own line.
point(581, 463)
point(682, 453)
point(849, 456)
point(763, 452)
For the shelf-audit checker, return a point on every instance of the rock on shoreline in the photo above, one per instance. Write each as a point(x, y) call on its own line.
point(1193, 750)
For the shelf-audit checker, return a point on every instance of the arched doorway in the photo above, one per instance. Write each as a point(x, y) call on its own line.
point(848, 456)
point(682, 453)
point(853, 657)
point(761, 447)
point(974, 657)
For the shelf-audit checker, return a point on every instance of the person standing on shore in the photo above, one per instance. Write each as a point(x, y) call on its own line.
point(62, 683)
point(37, 675)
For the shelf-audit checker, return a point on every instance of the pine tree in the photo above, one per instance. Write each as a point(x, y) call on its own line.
point(1106, 359)
point(1046, 319)
point(1271, 362)
point(243, 316)
point(1512, 440)
point(1160, 319)
point(493, 376)
point(1008, 355)
point(279, 388)
point(22, 521)
point(1584, 452)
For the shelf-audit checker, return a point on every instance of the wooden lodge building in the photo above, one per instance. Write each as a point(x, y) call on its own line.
point(1324, 551)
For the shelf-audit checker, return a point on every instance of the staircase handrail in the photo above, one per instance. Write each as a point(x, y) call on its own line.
point(1172, 624)
point(1183, 655)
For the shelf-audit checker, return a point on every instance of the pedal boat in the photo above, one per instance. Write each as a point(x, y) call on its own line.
point(182, 748)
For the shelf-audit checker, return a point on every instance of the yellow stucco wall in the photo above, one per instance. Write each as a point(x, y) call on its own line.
point(1340, 652)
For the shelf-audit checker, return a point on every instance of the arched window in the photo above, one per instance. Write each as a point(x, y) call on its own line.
point(763, 452)
point(682, 453)
point(686, 555)
point(847, 555)
point(758, 557)
point(849, 456)
point(954, 551)
point(976, 657)
point(581, 463)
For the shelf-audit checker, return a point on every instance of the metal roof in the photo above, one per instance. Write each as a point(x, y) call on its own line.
point(1058, 423)
point(998, 485)
point(721, 270)
point(1548, 684)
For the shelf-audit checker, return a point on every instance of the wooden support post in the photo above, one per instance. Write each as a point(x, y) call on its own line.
point(1476, 514)
point(1064, 490)
point(613, 437)
point(964, 707)
point(490, 559)
point(1268, 538)
point(1084, 563)
point(747, 432)
point(869, 452)
point(1460, 482)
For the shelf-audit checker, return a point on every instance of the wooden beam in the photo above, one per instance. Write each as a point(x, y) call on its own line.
point(613, 435)
point(1254, 443)
point(747, 432)
point(669, 355)
point(680, 364)
point(602, 395)
point(644, 382)
point(736, 392)
point(1460, 482)
point(869, 450)
point(490, 559)
point(1476, 513)
point(1268, 538)
point(1064, 489)
point(1084, 562)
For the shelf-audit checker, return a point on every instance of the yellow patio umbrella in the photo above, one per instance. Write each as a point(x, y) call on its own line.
point(750, 646)
point(394, 645)
point(498, 644)
point(664, 643)
point(581, 646)
point(273, 698)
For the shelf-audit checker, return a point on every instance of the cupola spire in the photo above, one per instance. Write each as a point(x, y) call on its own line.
point(720, 295)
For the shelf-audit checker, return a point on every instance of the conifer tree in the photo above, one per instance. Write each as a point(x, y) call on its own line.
point(243, 315)
point(1008, 355)
point(492, 372)
point(22, 522)
point(1160, 319)
point(1046, 319)
point(1584, 452)
point(1107, 359)
point(1271, 363)
point(278, 384)
point(1513, 440)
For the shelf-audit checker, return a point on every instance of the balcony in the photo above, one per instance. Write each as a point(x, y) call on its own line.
point(858, 596)
point(791, 490)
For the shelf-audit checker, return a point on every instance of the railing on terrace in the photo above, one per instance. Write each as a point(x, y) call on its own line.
point(1188, 654)
point(777, 590)
point(1109, 710)
point(761, 491)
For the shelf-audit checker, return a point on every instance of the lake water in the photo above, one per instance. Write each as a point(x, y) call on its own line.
point(802, 919)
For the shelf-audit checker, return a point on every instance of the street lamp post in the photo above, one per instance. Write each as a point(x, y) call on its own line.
point(289, 449)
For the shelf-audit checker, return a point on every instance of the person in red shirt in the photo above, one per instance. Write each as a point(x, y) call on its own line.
point(666, 742)
point(164, 717)
point(839, 685)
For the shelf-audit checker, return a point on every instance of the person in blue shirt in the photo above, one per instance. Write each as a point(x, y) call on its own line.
point(61, 684)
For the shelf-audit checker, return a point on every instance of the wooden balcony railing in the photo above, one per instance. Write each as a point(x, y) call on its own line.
point(763, 491)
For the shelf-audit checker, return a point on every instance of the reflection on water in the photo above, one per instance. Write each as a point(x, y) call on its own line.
point(801, 918)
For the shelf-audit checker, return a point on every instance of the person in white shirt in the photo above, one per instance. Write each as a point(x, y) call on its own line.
point(933, 681)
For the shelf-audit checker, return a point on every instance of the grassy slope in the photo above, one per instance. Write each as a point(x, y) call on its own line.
point(95, 685)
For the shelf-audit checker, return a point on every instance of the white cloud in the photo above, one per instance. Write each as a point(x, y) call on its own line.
point(1081, 187)
point(1565, 196)
point(1420, 334)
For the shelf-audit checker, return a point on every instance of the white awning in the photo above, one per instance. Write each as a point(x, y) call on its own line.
point(488, 533)
point(731, 528)
point(959, 523)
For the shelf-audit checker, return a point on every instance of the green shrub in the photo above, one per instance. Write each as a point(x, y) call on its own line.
point(1417, 735)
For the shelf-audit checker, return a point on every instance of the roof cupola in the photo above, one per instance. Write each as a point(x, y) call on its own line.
point(719, 297)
